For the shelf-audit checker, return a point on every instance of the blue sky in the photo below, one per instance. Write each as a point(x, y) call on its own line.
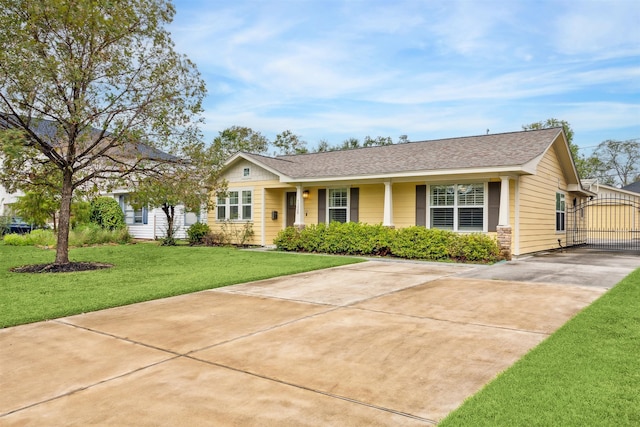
point(330, 69)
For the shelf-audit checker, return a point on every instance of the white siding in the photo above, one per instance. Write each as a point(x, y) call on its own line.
point(7, 199)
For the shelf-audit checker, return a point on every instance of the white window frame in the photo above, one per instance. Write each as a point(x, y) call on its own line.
point(246, 172)
point(131, 216)
point(561, 208)
point(237, 196)
point(347, 207)
point(457, 206)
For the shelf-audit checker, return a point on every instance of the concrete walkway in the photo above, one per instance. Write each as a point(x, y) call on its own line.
point(377, 343)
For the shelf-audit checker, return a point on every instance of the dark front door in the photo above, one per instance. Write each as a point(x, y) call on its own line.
point(291, 208)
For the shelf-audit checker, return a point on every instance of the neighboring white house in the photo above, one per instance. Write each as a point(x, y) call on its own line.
point(152, 223)
point(6, 199)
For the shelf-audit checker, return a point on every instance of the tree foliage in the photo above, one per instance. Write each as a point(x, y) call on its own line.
point(106, 212)
point(288, 142)
point(36, 208)
point(617, 162)
point(583, 165)
point(91, 90)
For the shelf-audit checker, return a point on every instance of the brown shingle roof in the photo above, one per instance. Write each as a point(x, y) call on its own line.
point(495, 150)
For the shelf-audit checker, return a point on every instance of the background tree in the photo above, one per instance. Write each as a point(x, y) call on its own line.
point(288, 142)
point(377, 141)
point(349, 144)
point(403, 139)
point(582, 164)
point(36, 208)
point(323, 146)
point(94, 87)
point(617, 162)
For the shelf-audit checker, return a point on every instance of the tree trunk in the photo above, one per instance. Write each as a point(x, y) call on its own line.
point(62, 250)
point(169, 211)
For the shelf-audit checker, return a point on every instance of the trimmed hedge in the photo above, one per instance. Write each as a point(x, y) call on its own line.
point(375, 240)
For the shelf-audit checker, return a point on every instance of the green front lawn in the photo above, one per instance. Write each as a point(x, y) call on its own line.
point(142, 272)
point(585, 374)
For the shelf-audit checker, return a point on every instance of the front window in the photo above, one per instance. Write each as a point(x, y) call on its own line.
point(131, 216)
point(560, 212)
point(457, 207)
point(237, 205)
point(338, 205)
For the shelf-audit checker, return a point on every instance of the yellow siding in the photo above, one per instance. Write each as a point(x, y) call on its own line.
point(538, 206)
point(371, 203)
point(404, 204)
point(274, 201)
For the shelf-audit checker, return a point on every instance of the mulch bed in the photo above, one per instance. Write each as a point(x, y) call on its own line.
point(61, 268)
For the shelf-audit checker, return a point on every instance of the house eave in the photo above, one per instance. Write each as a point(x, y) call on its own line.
point(426, 174)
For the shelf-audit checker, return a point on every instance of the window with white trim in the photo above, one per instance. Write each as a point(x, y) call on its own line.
point(246, 172)
point(132, 216)
point(560, 211)
point(236, 205)
point(338, 206)
point(457, 207)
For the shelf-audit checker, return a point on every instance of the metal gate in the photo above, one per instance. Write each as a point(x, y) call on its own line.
point(609, 223)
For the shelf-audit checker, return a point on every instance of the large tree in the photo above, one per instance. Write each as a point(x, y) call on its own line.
point(617, 162)
point(91, 90)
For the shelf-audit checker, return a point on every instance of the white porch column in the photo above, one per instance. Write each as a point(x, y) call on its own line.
point(387, 219)
point(299, 221)
point(503, 218)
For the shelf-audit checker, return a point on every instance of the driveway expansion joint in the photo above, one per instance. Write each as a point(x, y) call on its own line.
point(313, 390)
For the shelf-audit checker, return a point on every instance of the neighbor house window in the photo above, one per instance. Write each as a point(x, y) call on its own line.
point(338, 204)
point(457, 207)
point(132, 216)
point(237, 205)
point(560, 211)
point(246, 172)
point(191, 218)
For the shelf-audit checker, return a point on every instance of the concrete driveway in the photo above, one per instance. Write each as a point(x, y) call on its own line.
point(377, 343)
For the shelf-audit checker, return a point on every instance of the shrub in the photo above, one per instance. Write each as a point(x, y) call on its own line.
point(45, 238)
point(237, 233)
point(93, 234)
point(197, 232)
point(422, 243)
point(213, 239)
point(377, 240)
point(80, 213)
point(106, 212)
point(288, 239)
point(13, 239)
point(474, 247)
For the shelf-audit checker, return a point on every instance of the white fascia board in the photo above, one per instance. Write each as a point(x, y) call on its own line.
point(241, 155)
point(502, 170)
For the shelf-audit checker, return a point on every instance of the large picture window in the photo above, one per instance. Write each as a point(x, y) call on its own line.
point(457, 207)
point(338, 205)
point(560, 212)
point(236, 205)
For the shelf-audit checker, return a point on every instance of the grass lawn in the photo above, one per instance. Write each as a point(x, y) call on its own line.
point(142, 272)
point(587, 373)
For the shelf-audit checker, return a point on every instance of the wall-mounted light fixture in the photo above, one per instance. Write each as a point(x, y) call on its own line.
point(305, 194)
